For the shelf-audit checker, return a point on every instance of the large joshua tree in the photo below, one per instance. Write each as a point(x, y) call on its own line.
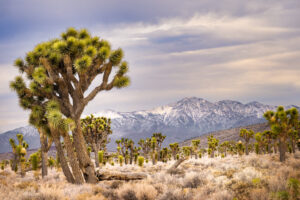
point(96, 131)
point(62, 70)
point(282, 122)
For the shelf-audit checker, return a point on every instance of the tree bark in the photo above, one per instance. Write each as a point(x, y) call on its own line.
point(73, 160)
point(62, 158)
point(246, 148)
point(44, 154)
point(95, 149)
point(282, 149)
point(84, 159)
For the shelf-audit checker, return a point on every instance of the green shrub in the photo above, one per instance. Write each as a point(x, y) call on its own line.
point(101, 157)
point(141, 161)
point(121, 160)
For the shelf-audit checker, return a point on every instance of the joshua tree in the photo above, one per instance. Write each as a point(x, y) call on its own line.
point(159, 139)
point(293, 138)
point(175, 149)
point(260, 140)
point(212, 145)
point(225, 146)
point(145, 146)
point(268, 135)
point(240, 147)
point(195, 147)
point(282, 122)
point(62, 70)
point(154, 152)
point(186, 150)
point(19, 153)
point(246, 135)
point(96, 131)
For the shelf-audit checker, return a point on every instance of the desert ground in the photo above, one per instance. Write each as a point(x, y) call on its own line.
point(257, 177)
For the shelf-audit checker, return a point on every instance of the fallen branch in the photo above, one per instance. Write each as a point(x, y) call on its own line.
point(176, 164)
point(120, 176)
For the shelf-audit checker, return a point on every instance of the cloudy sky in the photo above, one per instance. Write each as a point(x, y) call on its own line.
point(229, 49)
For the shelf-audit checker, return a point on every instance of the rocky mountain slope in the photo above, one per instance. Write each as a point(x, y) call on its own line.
point(184, 119)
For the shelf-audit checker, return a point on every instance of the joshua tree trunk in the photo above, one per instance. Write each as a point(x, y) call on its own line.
point(14, 162)
point(246, 148)
point(212, 154)
point(44, 153)
point(196, 156)
point(282, 149)
point(62, 158)
point(84, 159)
point(95, 149)
point(73, 160)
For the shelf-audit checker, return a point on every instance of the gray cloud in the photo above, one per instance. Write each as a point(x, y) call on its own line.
point(241, 50)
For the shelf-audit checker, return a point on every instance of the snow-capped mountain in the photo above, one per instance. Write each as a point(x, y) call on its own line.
point(187, 118)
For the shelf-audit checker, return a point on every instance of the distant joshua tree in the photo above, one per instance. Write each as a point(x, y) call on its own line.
point(246, 135)
point(282, 122)
point(96, 131)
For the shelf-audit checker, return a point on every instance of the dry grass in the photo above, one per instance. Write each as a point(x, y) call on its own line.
point(241, 177)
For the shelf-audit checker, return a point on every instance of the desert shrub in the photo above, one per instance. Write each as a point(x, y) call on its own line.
point(193, 182)
point(294, 187)
point(110, 194)
point(176, 195)
point(221, 195)
point(141, 161)
point(259, 194)
point(42, 196)
point(128, 195)
point(116, 184)
point(280, 195)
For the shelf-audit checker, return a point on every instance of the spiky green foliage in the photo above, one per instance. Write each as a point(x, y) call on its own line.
point(145, 146)
point(51, 162)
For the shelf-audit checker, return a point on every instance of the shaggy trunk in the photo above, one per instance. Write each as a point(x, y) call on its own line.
point(293, 144)
point(14, 162)
point(246, 148)
point(95, 149)
point(62, 158)
point(73, 160)
point(44, 154)
point(83, 156)
point(212, 155)
point(282, 149)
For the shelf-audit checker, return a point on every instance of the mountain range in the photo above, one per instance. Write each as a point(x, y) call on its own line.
point(179, 121)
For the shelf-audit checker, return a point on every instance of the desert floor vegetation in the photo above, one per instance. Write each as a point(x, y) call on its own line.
point(233, 177)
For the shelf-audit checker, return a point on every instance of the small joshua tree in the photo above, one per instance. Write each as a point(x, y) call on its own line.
point(174, 149)
point(212, 145)
point(19, 153)
point(159, 140)
point(260, 140)
point(246, 135)
point(195, 147)
point(121, 160)
point(96, 131)
point(154, 152)
point(145, 146)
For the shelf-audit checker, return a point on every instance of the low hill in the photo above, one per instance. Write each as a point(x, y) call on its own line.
point(232, 134)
